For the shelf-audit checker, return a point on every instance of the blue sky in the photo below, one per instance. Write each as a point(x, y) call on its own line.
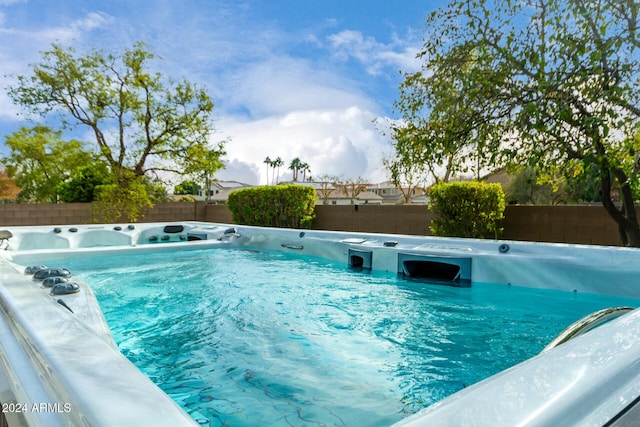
point(289, 78)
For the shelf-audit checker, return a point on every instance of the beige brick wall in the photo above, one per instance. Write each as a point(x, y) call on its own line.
point(80, 213)
point(565, 224)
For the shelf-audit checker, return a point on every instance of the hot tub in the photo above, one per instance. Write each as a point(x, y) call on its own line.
point(58, 358)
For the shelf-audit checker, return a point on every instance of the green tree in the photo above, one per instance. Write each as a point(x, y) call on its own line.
point(405, 175)
point(203, 166)
point(440, 134)
point(305, 168)
point(585, 186)
point(526, 188)
point(187, 187)
point(142, 122)
point(126, 195)
point(156, 190)
point(268, 162)
point(551, 84)
point(81, 186)
point(296, 166)
point(276, 164)
point(40, 160)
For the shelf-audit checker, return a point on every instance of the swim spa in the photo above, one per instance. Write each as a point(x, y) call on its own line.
point(437, 276)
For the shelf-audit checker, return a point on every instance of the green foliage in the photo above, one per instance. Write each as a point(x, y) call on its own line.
point(140, 120)
point(39, 160)
point(584, 185)
point(285, 206)
point(529, 186)
point(551, 84)
point(296, 166)
point(441, 133)
point(405, 175)
point(127, 197)
point(187, 187)
point(156, 191)
point(80, 186)
point(467, 209)
point(143, 123)
point(203, 163)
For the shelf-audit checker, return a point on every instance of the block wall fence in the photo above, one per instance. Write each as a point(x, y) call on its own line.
point(562, 224)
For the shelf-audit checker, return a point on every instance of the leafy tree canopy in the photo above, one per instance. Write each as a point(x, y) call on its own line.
point(142, 122)
point(156, 190)
point(550, 84)
point(204, 163)
point(81, 186)
point(187, 187)
point(40, 160)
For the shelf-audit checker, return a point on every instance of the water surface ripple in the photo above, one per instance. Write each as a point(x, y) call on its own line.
point(248, 338)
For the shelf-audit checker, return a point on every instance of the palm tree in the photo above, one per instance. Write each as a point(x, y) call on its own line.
point(277, 163)
point(294, 166)
point(304, 167)
point(268, 161)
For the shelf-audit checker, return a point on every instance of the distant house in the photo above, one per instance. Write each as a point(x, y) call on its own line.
point(328, 193)
point(422, 199)
point(372, 194)
point(394, 195)
point(499, 176)
point(219, 190)
point(336, 197)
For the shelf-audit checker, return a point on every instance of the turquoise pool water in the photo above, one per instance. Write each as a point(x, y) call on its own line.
point(248, 338)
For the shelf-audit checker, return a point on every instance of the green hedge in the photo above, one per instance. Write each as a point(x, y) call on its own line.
point(288, 206)
point(467, 209)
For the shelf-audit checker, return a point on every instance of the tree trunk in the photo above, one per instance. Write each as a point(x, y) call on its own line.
point(625, 216)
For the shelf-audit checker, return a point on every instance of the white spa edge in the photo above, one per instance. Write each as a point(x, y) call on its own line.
point(67, 365)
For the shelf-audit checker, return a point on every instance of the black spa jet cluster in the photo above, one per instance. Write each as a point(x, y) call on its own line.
point(55, 278)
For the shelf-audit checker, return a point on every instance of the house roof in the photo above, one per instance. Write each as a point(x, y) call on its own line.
point(385, 184)
point(368, 195)
point(229, 184)
point(222, 195)
point(364, 195)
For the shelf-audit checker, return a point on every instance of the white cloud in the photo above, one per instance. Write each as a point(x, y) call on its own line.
point(20, 47)
point(373, 55)
point(74, 31)
point(335, 142)
point(92, 21)
point(34, 39)
point(273, 99)
point(278, 85)
point(236, 170)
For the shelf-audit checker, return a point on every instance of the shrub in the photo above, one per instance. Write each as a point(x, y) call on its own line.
point(125, 198)
point(467, 209)
point(289, 205)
